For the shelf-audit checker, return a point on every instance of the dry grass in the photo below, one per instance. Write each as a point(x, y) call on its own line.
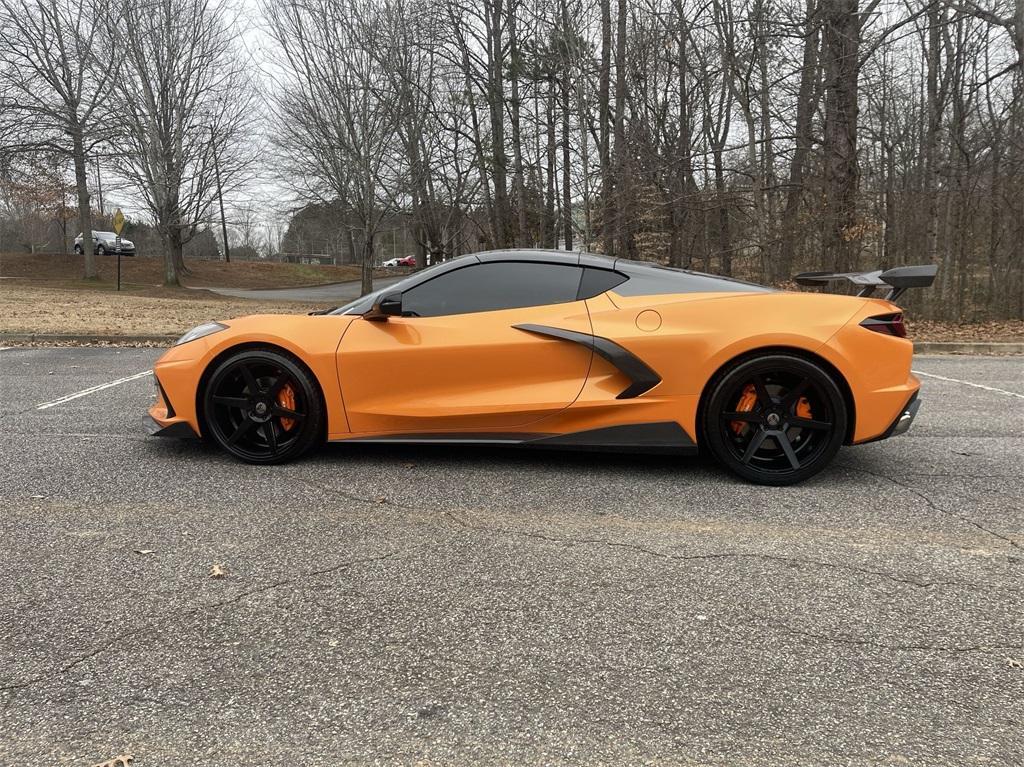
point(995, 331)
point(147, 272)
point(33, 309)
point(89, 309)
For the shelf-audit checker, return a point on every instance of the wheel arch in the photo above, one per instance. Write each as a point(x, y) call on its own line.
point(793, 351)
point(245, 346)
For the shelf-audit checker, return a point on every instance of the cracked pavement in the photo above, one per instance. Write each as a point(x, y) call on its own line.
point(438, 605)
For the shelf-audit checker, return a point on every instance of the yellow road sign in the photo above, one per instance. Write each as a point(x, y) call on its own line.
point(118, 221)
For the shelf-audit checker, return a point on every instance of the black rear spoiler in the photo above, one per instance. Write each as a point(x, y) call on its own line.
point(897, 280)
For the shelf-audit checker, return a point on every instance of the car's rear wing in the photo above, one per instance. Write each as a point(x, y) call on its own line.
point(897, 280)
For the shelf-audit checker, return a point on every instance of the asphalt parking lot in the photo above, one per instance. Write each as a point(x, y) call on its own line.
point(480, 606)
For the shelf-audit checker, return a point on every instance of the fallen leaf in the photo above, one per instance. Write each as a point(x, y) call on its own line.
point(382, 499)
point(122, 760)
point(218, 571)
point(145, 551)
point(1014, 663)
point(410, 465)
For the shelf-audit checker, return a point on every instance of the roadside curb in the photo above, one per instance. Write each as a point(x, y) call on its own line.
point(59, 339)
point(967, 347)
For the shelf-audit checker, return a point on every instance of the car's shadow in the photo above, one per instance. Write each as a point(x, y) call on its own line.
point(469, 457)
point(519, 457)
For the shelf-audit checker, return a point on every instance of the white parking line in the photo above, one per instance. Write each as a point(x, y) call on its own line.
point(969, 383)
point(93, 390)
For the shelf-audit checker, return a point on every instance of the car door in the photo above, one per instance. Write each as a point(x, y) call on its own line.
point(456, 360)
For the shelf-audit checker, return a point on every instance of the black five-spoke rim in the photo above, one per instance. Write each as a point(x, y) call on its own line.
point(777, 421)
point(257, 408)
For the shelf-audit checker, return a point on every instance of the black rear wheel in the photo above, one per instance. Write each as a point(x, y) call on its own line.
point(263, 407)
point(775, 420)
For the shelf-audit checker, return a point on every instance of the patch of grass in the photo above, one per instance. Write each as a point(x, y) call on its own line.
point(101, 311)
point(67, 271)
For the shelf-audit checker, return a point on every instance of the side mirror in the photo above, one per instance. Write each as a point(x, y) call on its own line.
point(389, 305)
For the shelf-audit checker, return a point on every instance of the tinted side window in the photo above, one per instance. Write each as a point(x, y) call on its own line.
point(492, 286)
point(597, 281)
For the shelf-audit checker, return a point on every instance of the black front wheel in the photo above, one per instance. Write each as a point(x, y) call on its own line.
point(263, 407)
point(774, 420)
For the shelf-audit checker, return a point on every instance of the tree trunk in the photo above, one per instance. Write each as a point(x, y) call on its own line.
point(366, 266)
point(550, 224)
point(478, 146)
point(584, 117)
point(724, 236)
point(566, 188)
point(767, 196)
point(566, 75)
point(518, 181)
point(681, 254)
point(604, 111)
point(622, 165)
point(496, 103)
point(933, 128)
point(84, 208)
point(841, 44)
point(172, 255)
point(805, 109)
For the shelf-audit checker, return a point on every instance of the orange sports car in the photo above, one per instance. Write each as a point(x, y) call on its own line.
point(552, 349)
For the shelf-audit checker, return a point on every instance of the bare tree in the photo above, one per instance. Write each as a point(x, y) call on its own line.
point(59, 76)
point(336, 108)
point(190, 105)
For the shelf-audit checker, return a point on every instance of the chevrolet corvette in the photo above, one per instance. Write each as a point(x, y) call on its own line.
point(555, 349)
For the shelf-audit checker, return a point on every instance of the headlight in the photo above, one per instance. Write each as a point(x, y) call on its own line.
point(201, 331)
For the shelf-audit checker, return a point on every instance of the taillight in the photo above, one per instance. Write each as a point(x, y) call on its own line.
point(889, 324)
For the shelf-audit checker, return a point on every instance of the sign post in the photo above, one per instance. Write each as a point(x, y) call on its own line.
point(118, 226)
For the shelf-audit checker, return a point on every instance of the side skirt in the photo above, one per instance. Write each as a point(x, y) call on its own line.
point(658, 437)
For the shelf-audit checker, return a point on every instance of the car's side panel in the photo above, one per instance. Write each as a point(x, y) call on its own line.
point(313, 340)
point(464, 371)
point(687, 339)
point(684, 339)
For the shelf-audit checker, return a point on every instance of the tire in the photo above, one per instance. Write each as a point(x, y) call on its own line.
point(262, 407)
point(774, 419)
point(100, 250)
point(78, 250)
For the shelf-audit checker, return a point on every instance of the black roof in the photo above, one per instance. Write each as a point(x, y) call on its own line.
point(645, 277)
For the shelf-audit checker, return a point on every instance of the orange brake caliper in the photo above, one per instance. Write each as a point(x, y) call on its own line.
point(286, 398)
point(749, 398)
point(747, 401)
point(803, 408)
